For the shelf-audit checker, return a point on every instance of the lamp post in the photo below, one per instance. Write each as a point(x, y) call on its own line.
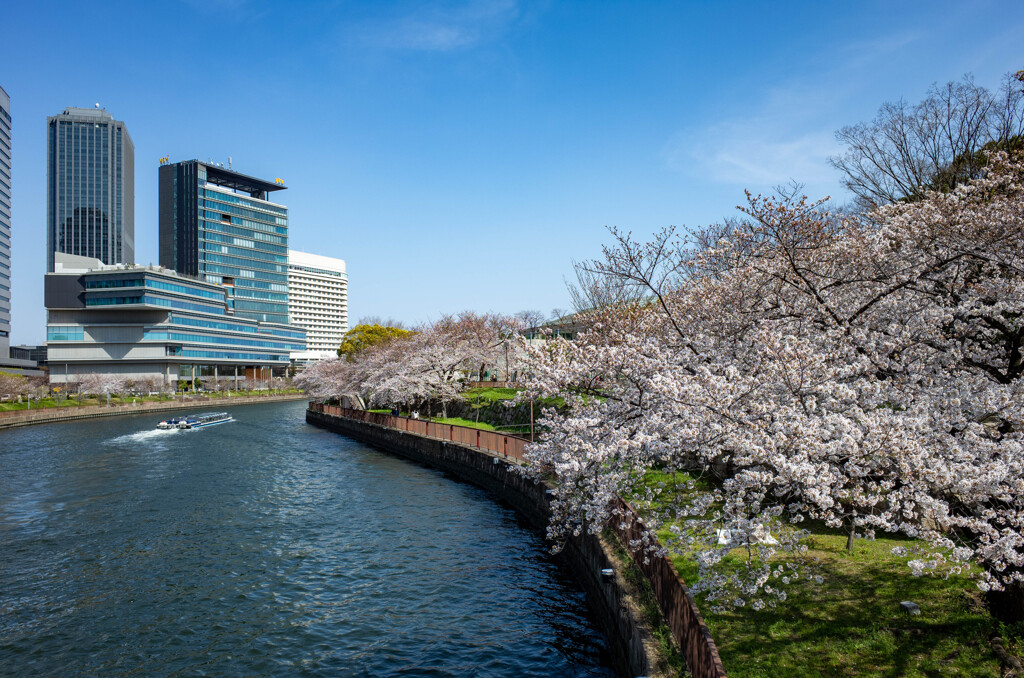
point(531, 420)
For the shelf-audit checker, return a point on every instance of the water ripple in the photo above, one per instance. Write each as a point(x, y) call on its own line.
point(266, 547)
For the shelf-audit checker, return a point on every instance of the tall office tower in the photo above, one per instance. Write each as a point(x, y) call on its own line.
point(217, 225)
point(90, 187)
point(18, 364)
point(318, 301)
point(5, 224)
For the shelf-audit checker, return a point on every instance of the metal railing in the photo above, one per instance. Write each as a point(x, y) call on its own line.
point(691, 634)
point(509, 446)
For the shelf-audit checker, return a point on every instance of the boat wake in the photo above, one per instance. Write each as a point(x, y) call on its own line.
point(142, 436)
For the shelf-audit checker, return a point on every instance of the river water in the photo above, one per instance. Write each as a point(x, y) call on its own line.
point(266, 547)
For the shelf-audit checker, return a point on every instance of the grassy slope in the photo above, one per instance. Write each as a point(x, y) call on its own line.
point(489, 395)
point(463, 422)
point(852, 625)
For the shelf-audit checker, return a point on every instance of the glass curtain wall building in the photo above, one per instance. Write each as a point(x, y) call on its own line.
point(149, 324)
point(218, 225)
point(90, 188)
point(5, 224)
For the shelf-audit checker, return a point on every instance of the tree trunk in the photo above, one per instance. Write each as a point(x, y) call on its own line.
point(1007, 605)
point(850, 537)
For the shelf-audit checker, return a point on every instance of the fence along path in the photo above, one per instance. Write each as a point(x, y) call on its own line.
point(509, 446)
point(689, 630)
point(676, 602)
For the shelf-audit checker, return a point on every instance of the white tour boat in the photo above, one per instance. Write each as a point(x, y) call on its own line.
point(195, 420)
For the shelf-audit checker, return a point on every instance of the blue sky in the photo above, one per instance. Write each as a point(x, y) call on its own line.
point(460, 155)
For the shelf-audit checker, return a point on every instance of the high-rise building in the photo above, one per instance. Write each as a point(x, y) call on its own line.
point(10, 360)
point(318, 302)
point(5, 224)
point(219, 226)
point(90, 187)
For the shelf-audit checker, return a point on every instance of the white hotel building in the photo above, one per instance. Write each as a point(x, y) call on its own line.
point(318, 302)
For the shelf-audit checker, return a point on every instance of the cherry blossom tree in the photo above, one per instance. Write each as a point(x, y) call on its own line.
point(12, 384)
point(858, 370)
point(148, 385)
point(102, 384)
point(421, 368)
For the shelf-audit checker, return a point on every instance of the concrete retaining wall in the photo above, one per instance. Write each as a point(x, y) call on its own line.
point(55, 414)
point(633, 647)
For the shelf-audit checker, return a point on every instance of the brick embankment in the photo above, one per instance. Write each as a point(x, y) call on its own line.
point(612, 600)
point(57, 414)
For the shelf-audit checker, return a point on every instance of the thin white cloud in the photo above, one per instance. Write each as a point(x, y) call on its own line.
point(863, 51)
point(788, 132)
point(783, 138)
point(441, 27)
point(754, 153)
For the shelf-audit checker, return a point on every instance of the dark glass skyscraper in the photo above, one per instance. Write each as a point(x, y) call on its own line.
point(218, 225)
point(5, 223)
point(90, 201)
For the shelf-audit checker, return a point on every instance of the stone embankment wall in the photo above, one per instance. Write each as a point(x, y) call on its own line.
point(614, 603)
point(55, 414)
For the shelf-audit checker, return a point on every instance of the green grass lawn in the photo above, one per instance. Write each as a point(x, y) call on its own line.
point(36, 404)
point(489, 395)
point(851, 623)
point(458, 421)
